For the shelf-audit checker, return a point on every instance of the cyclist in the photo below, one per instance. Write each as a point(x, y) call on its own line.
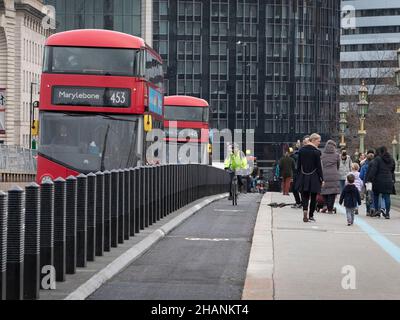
point(235, 160)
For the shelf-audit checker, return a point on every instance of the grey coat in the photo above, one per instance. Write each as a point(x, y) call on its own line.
point(330, 167)
point(345, 167)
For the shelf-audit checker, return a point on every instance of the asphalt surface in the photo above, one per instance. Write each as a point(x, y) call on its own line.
point(204, 258)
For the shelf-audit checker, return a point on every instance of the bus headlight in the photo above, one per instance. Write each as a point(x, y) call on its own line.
point(46, 179)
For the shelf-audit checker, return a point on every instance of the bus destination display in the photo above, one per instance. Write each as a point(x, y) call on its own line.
point(92, 97)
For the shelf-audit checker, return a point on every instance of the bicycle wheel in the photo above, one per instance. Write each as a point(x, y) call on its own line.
point(234, 193)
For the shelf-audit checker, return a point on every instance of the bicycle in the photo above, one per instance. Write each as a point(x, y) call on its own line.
point(234, 188)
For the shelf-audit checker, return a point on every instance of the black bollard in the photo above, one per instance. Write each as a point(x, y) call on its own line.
point(158, 193)
point(137, 200)
point(141, 197)
point(91, 217)
point(59, 228)
point(168, 189)
point(161, 205)
point(70, 227)
point(114, 207)
point(81, 222)
point(32, 242)
point(107, 211)
point(99, 213)
point(121, 206)
point(3, 244)
point(127, 216)
point(46, 227)
point(146, 188)
point(132, 227)
point(15, 245)
point(151, 194)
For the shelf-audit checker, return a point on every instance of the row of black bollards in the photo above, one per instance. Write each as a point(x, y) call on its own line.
point(50, 230)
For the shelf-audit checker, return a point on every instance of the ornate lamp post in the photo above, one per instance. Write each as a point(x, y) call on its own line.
point(398, 108)
point(397, 72)
point(394, 145)
point(362, 112)
point(343, 126)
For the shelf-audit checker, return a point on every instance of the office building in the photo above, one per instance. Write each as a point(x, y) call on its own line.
point(291, 61)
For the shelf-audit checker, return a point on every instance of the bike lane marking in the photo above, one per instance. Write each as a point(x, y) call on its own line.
point(392, 249)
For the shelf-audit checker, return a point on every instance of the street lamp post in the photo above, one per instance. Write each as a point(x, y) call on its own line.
point(246, 93)
point(31, 114)
point(397, 73)
point(362, 112)
point(394, 146)
point(343, 126)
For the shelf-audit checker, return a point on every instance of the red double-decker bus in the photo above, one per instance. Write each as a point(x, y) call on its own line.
point(97, 88)
point(186, 122)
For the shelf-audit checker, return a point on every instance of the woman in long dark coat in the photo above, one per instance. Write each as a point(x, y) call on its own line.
point(330, 168)
point(381, 174)
point(310, 177)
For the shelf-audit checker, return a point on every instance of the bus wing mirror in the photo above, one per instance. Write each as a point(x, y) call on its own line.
point(148, 123)
point(36, 104)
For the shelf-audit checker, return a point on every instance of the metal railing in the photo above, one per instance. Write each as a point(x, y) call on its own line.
point(14, 159)
point(62, 224)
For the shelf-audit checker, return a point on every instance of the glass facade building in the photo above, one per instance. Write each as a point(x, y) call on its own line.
point(118, 15)
point(287, 73)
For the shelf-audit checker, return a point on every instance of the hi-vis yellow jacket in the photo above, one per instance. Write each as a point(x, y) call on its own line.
point(235, 161)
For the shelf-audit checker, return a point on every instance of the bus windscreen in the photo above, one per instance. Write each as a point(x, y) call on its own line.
point(91, 61)
point(197, 114)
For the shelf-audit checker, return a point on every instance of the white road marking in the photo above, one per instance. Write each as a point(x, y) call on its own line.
point(228, 210)
point(206, 239)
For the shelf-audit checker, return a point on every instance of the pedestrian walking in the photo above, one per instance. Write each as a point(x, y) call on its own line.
point(381, 174)
point(295, 156)
point(357, 180)
point(369, 196)
point(351, 198)
point(287, 166)
point(355, 171)
point(362, 159)
point(310, 176)
point(344, 168)
point(330, 168)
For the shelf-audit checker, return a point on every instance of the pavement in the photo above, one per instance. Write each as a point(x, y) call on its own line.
point(326, 259)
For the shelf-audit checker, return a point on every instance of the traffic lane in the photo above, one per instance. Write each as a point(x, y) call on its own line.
point(203, 259)
point(310, 259)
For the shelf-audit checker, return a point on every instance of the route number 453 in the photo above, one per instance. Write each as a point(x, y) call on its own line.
point(118, 98)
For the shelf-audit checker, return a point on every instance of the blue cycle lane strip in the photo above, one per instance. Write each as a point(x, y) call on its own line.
point(387, 245)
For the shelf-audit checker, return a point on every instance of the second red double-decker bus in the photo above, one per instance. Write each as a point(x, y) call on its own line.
point(186, 121)
point(97, 87)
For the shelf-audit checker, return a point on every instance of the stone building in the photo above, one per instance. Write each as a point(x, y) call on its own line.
point(22, 37)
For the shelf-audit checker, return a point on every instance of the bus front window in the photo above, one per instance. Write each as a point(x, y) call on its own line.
point(89, 143)
point(94, 61)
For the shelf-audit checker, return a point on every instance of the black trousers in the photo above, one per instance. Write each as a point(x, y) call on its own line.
point(295, 192)
point(330, 201)
point(309, 197)
point(297, 196)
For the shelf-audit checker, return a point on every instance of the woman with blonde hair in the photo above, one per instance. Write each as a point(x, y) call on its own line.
point(310, 176)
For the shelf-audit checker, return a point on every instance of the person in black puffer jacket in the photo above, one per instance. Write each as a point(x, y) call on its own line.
point(351, 198)
point(381, 174)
